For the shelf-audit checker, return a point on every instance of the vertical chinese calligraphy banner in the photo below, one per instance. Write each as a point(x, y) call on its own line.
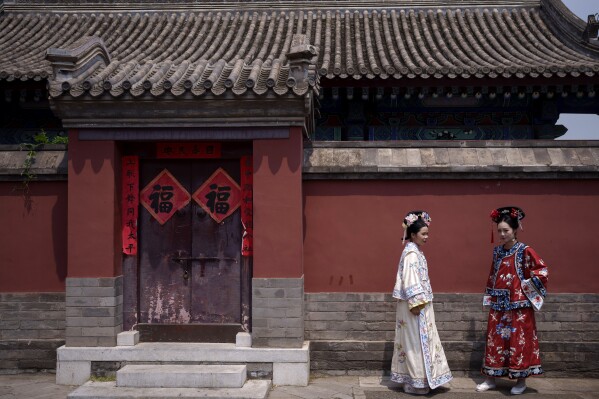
point(130, 203)
point(247, 205)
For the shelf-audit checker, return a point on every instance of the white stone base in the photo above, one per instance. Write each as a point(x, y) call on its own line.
point(243, 340)
point(296, 374)
point(127, 338)
point(73, 373)
point(291, 366)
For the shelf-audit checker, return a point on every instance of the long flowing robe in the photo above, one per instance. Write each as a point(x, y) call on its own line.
point(418, 356)
point(515, 289)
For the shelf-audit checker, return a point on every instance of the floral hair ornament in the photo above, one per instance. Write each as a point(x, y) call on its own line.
point(513, 212)
point(411, 218)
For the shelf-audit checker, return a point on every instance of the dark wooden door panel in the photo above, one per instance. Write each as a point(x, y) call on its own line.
point(204, 304)
point(164, 294)
point(216, 289)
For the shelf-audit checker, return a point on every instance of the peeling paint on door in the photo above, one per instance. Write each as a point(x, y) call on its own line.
point(191, 266)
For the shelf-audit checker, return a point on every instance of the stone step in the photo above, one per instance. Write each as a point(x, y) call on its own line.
point(252, 389)
point(181, 376)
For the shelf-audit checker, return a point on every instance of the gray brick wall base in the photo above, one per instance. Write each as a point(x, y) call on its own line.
point(32, 326)
point(353, 333)
point(277, 312)
point(25, 355)
point(94, 311)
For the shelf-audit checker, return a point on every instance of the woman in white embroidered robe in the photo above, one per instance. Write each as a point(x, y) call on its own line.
point(419, 361)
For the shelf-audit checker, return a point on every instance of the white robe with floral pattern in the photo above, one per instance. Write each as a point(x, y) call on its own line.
point(418, 356)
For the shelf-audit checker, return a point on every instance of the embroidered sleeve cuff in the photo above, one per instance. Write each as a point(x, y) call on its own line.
point(530, 290)
point(486, 300)
point(417, 300)
point(538, 283)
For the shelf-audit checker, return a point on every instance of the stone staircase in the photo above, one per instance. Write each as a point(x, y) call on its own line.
point(181, 370)
point(176, 381)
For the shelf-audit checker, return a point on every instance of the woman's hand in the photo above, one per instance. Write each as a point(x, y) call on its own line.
point(416, 309)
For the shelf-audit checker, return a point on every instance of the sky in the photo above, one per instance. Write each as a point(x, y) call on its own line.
point(581, 126)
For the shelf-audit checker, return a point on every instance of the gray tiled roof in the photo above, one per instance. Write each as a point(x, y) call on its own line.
point(245, 50)
point(481, 159)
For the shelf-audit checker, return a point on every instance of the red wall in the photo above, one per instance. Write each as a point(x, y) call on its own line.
point(94, 239)
point(353, 231)
point(278, 251)
point(33, 237)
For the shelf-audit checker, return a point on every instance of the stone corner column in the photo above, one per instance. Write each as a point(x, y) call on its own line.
point(94, 311)
point(278, 312)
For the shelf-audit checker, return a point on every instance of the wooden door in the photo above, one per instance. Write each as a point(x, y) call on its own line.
point(190, 267)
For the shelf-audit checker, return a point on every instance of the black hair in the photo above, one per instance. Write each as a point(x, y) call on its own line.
point(415, 228)
point(512, 222)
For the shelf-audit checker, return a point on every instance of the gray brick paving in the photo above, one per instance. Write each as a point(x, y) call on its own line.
point(42, 386)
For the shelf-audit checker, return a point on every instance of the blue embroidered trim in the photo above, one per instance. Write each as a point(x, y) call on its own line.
point(406, 379)
point(501, 372)
point(497, 292)
point(539, 285)
point(519, 257)
point(502, 301)
point(503, 295)
point(410, 292)
point(414, 290)
point(426, 354)
point(433, 382)
point(443, 379)
point(511, 305)
point(499, 253)
point(502, 253)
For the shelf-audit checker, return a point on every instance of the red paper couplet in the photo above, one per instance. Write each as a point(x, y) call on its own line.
point(247, 205)
point(164, 196)
point(219, 196)
point(188, 150)
point(129, 203)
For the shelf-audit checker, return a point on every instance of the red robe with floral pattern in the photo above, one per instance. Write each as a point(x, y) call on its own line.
point(515, 289)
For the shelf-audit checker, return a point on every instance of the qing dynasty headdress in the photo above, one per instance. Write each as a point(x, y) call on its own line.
point(513, 212)
point(412, 217)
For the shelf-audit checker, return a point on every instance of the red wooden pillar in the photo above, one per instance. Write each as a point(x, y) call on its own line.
point(94, 215)
point(94, 287)
point(278, 284)
point(278, 226)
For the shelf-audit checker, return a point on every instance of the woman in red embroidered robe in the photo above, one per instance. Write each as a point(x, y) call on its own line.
point(515, 289)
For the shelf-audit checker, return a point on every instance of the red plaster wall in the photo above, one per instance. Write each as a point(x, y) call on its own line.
point(353, 231)
point(94, 241)
point(278, 251)
point(33, 237)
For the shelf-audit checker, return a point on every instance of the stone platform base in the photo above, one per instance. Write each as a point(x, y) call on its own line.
point(290, 366)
